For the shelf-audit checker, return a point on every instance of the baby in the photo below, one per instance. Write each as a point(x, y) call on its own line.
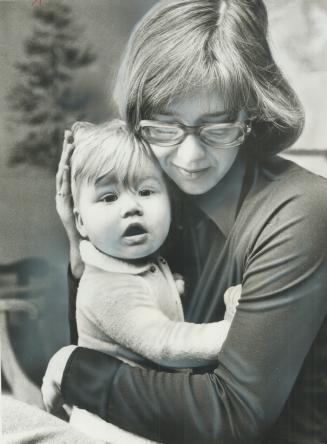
point(128, 301)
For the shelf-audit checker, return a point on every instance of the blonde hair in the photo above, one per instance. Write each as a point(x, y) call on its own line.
point(106, 149)
point(185, 44)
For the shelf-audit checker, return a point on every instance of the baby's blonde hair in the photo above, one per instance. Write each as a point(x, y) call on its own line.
point(104, 149)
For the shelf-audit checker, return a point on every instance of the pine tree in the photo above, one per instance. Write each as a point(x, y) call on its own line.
point(43, 98)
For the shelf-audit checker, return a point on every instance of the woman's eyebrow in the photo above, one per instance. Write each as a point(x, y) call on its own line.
point(215, 114)
point(219, 114)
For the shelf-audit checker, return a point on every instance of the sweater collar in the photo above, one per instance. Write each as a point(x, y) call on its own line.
point(91, 256)
point(222, 201)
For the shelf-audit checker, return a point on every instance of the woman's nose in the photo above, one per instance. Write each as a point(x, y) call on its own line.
point(130, 207)
point(190, 150)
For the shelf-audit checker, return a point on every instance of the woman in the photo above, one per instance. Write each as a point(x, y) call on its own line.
point(199, 84)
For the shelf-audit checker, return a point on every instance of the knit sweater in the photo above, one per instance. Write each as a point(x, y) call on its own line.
point(135, 312)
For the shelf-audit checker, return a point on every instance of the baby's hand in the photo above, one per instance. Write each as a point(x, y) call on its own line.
point(180, 283)
point(231, 298)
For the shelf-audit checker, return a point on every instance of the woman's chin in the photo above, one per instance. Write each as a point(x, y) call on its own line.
point(196, 187)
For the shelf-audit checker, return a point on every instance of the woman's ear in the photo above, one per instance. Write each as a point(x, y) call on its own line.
point(79, 223)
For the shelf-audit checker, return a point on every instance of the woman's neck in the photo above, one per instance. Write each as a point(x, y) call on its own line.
point(221, 202)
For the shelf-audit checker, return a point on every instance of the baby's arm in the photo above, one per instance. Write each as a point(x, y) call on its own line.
point(129, 316)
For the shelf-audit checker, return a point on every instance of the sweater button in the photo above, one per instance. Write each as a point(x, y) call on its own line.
point(152, 269)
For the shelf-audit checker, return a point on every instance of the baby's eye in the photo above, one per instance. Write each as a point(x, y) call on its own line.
point(145, 192)
point(109, 198)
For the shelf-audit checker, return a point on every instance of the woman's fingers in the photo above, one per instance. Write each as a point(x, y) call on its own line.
point(51, 386)
point(65, 184)
point(52, 398)
point(67, 134)
point(68, 148)
point(64, 201)
point(64, 162)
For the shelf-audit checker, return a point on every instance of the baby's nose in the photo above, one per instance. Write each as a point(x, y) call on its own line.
point(130, 207)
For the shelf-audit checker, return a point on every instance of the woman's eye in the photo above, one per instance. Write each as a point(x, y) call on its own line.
point(145, 192)
point(109, 198)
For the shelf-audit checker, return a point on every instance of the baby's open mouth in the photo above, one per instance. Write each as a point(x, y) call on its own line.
point(134, 230)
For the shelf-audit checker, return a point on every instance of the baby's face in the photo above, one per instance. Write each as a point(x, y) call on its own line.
point(122, 221)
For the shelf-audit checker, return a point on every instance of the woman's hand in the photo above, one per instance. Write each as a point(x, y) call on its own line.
point(64, 205)
point(64, 201)
point(51, 386)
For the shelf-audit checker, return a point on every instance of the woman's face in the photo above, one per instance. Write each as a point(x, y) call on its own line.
point(193, 165)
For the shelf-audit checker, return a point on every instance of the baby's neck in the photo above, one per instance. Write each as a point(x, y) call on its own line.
point(143, 260)
point(140, 261)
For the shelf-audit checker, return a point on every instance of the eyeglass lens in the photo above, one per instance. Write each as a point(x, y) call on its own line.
point(169, 134)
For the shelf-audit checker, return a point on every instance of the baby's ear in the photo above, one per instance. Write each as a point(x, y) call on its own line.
point(79, 223)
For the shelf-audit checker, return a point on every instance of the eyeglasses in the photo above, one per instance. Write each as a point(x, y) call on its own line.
point(218, 135)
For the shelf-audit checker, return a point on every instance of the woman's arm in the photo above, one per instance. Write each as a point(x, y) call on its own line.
point(282, 307)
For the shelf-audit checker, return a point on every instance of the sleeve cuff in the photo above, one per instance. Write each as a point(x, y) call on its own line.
point(72, 291)
point(87, 379)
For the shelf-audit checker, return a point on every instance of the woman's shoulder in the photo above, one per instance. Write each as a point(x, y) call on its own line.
point(279, 169)
point(283, 194)
point(284, 212)
point(284, 180)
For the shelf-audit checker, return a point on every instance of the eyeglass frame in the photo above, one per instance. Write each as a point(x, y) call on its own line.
point(196, 130)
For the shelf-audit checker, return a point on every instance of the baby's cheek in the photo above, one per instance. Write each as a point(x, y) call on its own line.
point(166, 205)
point(106, 240)
point(101, 225)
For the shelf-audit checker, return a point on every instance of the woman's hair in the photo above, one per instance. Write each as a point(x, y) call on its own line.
point(107, 149)
point(181, 45)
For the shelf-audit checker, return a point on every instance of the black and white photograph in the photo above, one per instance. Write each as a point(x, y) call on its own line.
point(163, 253)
